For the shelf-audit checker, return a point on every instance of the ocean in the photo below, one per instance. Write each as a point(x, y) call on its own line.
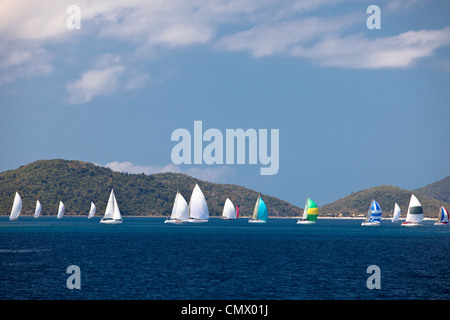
point(145, 259)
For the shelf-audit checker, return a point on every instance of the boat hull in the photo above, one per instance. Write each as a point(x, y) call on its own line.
point(110, 221)
point(197, 220)
point(370, 224)
point(174, 221)
point(256, 221)
point(440, 223)
point(305, 222)
point(411, 224)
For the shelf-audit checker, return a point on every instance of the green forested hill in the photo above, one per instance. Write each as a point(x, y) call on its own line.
point(77, 183)
point(358, 203)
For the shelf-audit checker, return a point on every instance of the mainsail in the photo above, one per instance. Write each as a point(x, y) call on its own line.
point(16, 208)
point(397, 213)
point(37, 211)
point(92, 210)
point(60, 210)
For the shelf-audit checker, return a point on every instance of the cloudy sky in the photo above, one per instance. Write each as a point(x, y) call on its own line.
point(355, 107)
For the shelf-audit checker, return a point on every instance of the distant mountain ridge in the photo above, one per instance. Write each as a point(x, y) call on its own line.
point(77, 183)
point(357, 203)
point(439, 190)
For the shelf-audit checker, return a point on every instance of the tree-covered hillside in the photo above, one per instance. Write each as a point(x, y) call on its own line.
point(77, 183)
point(358, 203)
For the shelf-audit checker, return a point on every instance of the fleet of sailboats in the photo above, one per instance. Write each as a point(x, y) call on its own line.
point(310, 213)
point(374, 216)
point(112, 212)
point(197, 211)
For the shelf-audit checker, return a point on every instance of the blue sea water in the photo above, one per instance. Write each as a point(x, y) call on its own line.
point(143, 258)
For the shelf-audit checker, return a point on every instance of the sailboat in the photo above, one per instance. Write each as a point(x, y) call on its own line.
point(229, 212)
point(198, 208)
point(92, 210)
point(37, 211)
point(60, 210)
point(414, 216)
point(260, 214)
point(374, 215)
point(310, 213)
point(16, 208)
point(180, 210)
point(442, 219)
point(237, 212)
point(397, 212)
point(112, 212)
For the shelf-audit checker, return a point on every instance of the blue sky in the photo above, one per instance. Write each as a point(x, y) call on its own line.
point(355, 108)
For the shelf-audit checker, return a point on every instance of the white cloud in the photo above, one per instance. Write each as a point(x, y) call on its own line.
point(20, 60)
point(281, 37)
point(297, 28)
point(93, 83)
point(129, 167)
point(212, 174)
point(401, 51)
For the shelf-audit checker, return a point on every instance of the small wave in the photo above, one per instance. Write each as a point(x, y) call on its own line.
point(22, 250)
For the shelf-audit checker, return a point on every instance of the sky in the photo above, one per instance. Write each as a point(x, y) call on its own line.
point(355, 106)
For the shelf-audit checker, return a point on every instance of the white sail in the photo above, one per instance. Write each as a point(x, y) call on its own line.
point(182, 212)
point(116, 212)
point(112, 212)
point(305, 211)
point(60, 210)
point(229, 212)
point(397, 213)
point(109, 207)
point(415, 211)
point(173, 215)
point(37, 211)
point(92, 210)
point(16, 208)
point(198, 208)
